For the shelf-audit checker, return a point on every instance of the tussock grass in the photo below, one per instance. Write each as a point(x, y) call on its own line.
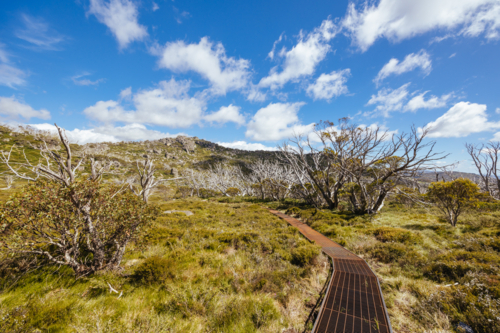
point(433, 275)
point(227, 268)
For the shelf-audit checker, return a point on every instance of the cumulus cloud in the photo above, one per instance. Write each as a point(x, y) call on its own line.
point(169, 104)
point(434, 102)
point(388, 100)
point(120, 16)
point(303, 58)
point(12, 108)
point(330, 85)
point(397, 20)
point(226, 114)
point(38, 33)
point(243, 145)
point(460, 120)
point(209, 60)
point(10, 76)
point(277, 121)
point(131, 132)
point(80, 80)
point(410, 62)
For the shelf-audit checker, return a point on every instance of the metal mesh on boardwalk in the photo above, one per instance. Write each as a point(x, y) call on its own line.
point(353, 302)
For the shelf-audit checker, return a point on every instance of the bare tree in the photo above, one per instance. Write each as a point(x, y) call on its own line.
point(366, 163)
point(270, 179)
point(69, 215)
point(218, 178)
point(485, 158)
point(320, 166)
point(147, 179)
point(379, 163)
point(9, 180)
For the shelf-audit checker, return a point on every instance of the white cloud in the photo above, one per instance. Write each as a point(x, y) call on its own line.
point(10, 76)
point(79, 80)
point(4, 56)
point(460, 120)
point(37, 32)
point(329, 85)
point(434, 102)
point(410, 62)
point(497, 111)
point(277, 121)
point(226, 114)
point(126, 93)
point(401, 19)
point(209, 60)
point(167, 105)
point(303, 58)
point(120, 16)
point(155, 7)
point(254, 94)
point(271, 53)
point(180, 15)
point(243, 145)
point(131, 132)
point(12, 108)
point(388, 100)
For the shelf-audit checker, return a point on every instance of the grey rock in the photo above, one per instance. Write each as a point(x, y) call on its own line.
point(187, 212)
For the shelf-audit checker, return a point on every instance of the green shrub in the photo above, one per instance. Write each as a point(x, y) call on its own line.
point(388, 234)
point(292, 211)
point(305, 254)
point(394, 252)
point(155, 270)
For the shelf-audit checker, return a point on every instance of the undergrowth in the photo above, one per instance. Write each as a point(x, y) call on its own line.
point(227, 268)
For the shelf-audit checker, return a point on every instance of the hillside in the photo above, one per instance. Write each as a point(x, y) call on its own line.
point(233, 267)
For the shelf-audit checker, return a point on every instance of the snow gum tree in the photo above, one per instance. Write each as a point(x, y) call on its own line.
point(454, 197)
point(70, 219)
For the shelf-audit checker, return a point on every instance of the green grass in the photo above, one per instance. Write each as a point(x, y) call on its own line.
point(227, 268)
point(433, 276)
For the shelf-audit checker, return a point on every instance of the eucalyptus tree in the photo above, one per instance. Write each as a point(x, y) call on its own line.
point(485, 158)
point(66, 217)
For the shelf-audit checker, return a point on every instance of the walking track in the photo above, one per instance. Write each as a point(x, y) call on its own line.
point(353, 302)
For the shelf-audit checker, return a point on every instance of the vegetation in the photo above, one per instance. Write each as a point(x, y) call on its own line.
point(453, 198)
point(433, 275)
point(215, 260)
point(227, 268)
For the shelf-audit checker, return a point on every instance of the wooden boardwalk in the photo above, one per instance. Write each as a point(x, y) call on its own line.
point(353, 301)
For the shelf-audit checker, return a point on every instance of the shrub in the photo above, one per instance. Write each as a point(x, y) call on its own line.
point(155, 270)
point(292, 211)
point(388, 234)
point(394, 252)
point(70, 224)
point(233, 191)
point(305, 254)
point(453, 198)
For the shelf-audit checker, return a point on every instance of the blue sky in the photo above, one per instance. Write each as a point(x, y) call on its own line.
point(250, 74)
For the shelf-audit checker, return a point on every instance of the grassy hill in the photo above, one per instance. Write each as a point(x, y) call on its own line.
point(233, 267)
